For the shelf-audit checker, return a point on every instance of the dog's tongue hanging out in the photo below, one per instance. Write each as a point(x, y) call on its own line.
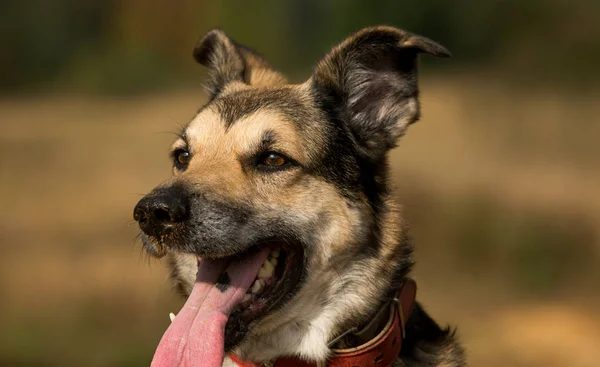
point(196, 336)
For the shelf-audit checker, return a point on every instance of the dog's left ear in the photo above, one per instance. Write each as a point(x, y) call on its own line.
point(369, 81)
point(229, 61)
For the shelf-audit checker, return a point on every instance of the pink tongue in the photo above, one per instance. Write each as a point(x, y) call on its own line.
point(196, 336)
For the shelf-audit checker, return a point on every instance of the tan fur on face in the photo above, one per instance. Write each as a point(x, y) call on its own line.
point(217, 151)
point(335, 282)
point(332, 286)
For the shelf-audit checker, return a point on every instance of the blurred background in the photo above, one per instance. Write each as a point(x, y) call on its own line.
point(500, 180)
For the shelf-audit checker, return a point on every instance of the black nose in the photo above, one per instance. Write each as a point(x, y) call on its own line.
point(159, 211)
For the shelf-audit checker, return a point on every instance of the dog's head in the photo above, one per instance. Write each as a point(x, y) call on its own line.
point(300, 169)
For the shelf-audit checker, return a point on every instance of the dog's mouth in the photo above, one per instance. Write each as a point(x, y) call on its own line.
point(274, 283)
point(230, 296)
point(268, 279)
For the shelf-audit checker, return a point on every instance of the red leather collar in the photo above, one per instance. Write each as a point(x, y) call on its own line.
point(380, 351)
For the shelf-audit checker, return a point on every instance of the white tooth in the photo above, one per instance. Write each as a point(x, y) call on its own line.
point(246, 298)
point(172, 316)
point(266, 270)
point(275, 252)
point(273, 262)
point(257, 286)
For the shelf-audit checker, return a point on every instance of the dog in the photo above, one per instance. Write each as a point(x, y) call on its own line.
point(279, 224)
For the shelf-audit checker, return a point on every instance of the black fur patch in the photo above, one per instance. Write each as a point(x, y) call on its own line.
point(350, 167)
point(427, 344)
point(233, 106)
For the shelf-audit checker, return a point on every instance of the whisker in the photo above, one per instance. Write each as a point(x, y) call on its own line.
point(177, 123)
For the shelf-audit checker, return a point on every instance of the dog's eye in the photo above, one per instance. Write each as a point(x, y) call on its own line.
point(274, 160)
point(182, 157)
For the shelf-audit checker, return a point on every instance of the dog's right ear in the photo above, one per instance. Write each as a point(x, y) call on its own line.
point(369, 82)
point(229, 61)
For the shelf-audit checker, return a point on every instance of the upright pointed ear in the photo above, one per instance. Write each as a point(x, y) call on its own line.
point(228, 61)
point(369, 81)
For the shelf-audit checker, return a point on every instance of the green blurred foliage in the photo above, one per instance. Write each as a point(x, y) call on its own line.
point(133, 46)
point(539, 250)
point(535, 252)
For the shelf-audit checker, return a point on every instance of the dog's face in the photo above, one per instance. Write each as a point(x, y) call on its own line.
point(300, 169)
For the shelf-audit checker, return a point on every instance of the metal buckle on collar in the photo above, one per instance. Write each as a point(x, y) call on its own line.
point(372, 329)
point(341, 336)
point(401, 314)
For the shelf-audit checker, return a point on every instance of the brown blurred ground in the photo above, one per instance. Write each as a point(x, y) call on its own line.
point(499, 183)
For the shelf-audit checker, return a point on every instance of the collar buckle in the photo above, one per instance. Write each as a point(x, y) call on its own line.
point(401, 312)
